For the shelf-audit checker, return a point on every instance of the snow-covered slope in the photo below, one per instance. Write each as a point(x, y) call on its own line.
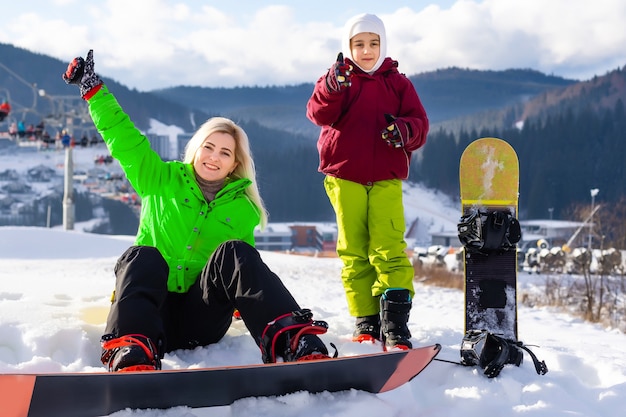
point(54, 292)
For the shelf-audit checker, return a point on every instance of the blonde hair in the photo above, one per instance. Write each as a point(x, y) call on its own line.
point(243, 155)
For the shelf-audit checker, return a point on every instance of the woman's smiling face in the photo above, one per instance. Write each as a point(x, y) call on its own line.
point(215, 159)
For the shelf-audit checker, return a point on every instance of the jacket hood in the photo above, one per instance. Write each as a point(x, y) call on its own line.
point(365, 23)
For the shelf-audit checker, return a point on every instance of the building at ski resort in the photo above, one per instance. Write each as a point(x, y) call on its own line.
point(321, 238)
point(318, 238)
point(554, 232)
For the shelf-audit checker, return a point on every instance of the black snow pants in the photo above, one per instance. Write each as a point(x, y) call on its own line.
point(235, 277)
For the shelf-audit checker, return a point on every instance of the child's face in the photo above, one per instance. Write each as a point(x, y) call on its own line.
point(365, 48)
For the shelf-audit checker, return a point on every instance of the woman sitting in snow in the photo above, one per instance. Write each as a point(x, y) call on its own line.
point(193, 261)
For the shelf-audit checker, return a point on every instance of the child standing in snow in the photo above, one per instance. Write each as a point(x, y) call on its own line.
point(372, 120)
point(193, 261)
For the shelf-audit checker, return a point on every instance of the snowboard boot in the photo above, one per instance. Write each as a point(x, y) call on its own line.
point(367, 329)
point(395, 305)
point(293, 336)
point(133, 352)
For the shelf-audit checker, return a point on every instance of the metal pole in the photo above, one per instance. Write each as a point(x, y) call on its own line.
point(594, 192)
point(68, 194)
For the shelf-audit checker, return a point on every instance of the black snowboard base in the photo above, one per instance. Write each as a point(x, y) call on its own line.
point(490, 292)
point(97, 394)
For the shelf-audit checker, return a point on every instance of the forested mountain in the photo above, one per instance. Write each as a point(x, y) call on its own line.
point(448, 95)
point(572, 139)
point(454, 92)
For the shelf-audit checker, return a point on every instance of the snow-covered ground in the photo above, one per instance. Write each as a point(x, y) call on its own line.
point(55, 287)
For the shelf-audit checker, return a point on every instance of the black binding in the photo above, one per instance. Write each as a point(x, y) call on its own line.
point(491, 352)
point(489, 231)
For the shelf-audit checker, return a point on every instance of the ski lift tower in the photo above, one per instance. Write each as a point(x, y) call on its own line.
point(65, 110)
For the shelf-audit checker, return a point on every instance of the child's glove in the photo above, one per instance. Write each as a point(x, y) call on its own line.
point(392, 134)
point(338, 78)
point(81, 72)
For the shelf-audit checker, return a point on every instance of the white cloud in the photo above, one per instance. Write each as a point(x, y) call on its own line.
point(570, 38)
point(158, 43)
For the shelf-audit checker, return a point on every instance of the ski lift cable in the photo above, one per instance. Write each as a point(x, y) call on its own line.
point(32, 86)
point(55, 101)
point(61, 106)
point(16, 106)
point(584, 224)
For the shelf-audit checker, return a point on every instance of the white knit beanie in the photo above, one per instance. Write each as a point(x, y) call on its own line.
point(365, 23)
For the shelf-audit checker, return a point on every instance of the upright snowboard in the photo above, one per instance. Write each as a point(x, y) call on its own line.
point(98, 394)
point(489, 180)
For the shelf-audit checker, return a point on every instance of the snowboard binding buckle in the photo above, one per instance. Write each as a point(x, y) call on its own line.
point(280, 331)
point(489, 231)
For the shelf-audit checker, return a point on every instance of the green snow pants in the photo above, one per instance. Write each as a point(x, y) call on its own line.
point(370, 241)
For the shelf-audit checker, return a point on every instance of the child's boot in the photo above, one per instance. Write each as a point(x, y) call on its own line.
point(367, 329)
point(395, 305)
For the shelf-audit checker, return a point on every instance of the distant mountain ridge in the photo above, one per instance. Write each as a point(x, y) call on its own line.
point(447, 94)
point(453, 92)
point(458, 101)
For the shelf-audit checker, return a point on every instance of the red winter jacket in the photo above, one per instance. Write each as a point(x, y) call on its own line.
point(350, 143)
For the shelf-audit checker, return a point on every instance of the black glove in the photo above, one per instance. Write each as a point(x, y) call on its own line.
point(81, 72)
point(395, 132)
point(338, 77)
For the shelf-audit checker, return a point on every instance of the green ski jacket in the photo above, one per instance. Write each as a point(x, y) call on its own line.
point(175, 217)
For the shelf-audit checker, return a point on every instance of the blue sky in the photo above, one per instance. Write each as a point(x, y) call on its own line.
point(149, 44)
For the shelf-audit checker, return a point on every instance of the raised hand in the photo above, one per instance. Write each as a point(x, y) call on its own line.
point(81, 73)
point(338, 77)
